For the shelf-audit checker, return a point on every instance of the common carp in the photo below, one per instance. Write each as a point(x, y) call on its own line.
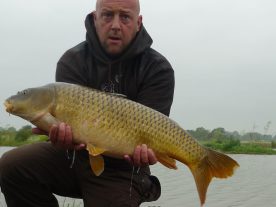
point(113, 125)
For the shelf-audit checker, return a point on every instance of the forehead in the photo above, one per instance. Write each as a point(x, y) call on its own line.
point(118, 5)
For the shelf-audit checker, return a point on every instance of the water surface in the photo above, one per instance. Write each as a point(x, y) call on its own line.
point(253, 185)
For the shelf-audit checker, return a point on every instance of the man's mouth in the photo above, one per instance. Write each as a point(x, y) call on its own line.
point(114, 39)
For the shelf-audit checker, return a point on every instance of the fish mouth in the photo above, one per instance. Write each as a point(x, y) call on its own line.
point(9, 106)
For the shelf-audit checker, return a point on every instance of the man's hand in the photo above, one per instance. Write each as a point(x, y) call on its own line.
point(142, 156)
point(61, 136)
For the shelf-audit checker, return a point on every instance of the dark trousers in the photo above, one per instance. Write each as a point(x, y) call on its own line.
point(29, 176)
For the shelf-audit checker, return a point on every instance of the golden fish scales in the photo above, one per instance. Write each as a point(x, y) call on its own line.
point(128, 124)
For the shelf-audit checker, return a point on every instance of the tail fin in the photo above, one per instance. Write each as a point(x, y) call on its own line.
point(214, 164)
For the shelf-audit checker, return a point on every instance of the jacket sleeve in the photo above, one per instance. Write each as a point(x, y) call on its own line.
point(157, 88)
point(71, 69)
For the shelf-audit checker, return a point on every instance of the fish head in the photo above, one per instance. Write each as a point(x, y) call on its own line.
point(30, 103)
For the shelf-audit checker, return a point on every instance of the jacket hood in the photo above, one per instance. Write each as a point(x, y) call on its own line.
point(141, 42)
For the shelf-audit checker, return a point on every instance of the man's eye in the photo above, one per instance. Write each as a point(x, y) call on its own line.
point(125, 18)
point(107, 15)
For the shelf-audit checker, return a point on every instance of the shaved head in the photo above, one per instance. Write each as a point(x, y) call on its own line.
point(135, 3)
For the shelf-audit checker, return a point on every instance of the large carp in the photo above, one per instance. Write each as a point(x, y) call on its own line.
point(112, 125)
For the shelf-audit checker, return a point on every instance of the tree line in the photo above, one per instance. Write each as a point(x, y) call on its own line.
point(221, 134)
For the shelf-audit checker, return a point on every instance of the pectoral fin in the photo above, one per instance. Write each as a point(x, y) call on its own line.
point(45, 121)
point(94, 151)
point(97, 164)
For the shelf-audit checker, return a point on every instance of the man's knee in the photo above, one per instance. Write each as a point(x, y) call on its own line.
point(7, 166)
point(20, 162)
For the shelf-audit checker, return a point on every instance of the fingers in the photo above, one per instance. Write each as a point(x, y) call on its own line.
point(142, 156)
point(53, 134)
point(151, 156)
point(137, 156)
point(68, 137)
point(61, 136)
point(39, 131)
point(79, 146)
point(128, 159)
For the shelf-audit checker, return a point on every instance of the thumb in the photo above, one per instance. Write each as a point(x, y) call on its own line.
point(39, 131)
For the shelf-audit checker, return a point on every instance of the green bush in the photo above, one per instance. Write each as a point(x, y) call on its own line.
point(229, 145)
point(235, 146)
point(273, 144)
point(24, 133)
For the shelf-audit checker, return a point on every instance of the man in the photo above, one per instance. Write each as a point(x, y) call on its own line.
point(116, 57)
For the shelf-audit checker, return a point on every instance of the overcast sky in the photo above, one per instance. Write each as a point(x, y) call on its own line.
point(223, 53)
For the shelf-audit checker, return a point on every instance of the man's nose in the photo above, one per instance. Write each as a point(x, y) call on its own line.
point(116, 23)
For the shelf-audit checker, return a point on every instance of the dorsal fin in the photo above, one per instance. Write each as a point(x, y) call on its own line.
point(117, 95)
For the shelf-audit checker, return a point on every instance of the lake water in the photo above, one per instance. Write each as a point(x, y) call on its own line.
point(253, 185)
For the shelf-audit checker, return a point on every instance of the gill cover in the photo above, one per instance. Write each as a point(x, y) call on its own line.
point(31, 103)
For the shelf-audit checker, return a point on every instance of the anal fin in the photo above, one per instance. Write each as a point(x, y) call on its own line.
point(97, 164)
point(166, 161)
point(95, 158)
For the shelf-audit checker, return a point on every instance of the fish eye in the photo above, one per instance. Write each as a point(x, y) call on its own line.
point(22, 92)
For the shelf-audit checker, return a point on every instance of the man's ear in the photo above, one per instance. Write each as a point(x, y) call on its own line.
point(139, 22)
point(94, 15)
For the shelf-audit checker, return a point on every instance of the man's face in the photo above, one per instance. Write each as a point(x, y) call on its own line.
point(117, 22)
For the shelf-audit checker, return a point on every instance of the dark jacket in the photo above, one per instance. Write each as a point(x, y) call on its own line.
point(140, 73)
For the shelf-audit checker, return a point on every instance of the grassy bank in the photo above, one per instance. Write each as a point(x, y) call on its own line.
point(14, 143)
point(232, 146)
point(12, 137)
point(238, 147)
point(218, 139)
